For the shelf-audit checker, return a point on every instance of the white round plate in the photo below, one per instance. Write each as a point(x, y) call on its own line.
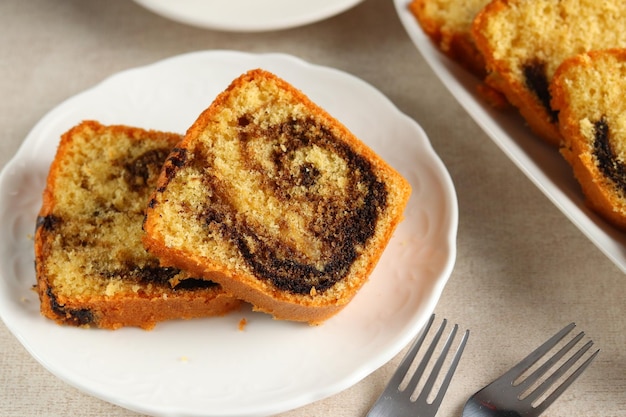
point(540, 162)
point(247, 15)
point(210, 367)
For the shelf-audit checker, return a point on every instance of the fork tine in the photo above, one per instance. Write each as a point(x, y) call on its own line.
point(562, 369)
point(396, 402)
point(434, 373)
point(558, 373)
point(412, 385)
point(451, 370)
point(558, 391)
point(514, 373)
point(531, 379)
point(404, 366)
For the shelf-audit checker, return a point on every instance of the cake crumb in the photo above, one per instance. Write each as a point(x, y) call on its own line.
point(242, 324)
point(184, 359)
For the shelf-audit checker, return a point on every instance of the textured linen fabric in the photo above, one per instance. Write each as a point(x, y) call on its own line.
point(523, 270)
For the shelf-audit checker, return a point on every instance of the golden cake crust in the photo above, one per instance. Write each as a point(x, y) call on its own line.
point(448, 25)
point(262, 154)
point(588, 91)
point(82, 266)
point(524, 41)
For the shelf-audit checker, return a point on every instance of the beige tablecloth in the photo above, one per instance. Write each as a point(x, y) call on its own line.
point(523, 270)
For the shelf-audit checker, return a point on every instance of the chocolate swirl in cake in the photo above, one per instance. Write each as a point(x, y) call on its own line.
point(138, 173)
point(47, 223)
point(608, 163)
point(336, 217)
point(536, 79)
point(73, 316)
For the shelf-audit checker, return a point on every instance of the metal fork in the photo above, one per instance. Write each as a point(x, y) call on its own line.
point(508, 397)
point(402, 403)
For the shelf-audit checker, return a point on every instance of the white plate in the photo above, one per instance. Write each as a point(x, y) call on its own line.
point(541, 163)
point(208, 367)
point(247, 15)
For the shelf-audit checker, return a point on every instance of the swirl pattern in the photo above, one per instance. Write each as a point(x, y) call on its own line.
point(287, 164)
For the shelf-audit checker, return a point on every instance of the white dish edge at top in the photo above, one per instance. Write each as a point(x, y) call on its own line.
point(247, 15)
point(540, 162)
point(208, 367)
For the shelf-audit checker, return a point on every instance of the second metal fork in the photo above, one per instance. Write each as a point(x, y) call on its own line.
point(509, 397)
point(398, 402)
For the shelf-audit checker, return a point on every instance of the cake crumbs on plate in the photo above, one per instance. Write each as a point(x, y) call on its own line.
point(242, 324)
